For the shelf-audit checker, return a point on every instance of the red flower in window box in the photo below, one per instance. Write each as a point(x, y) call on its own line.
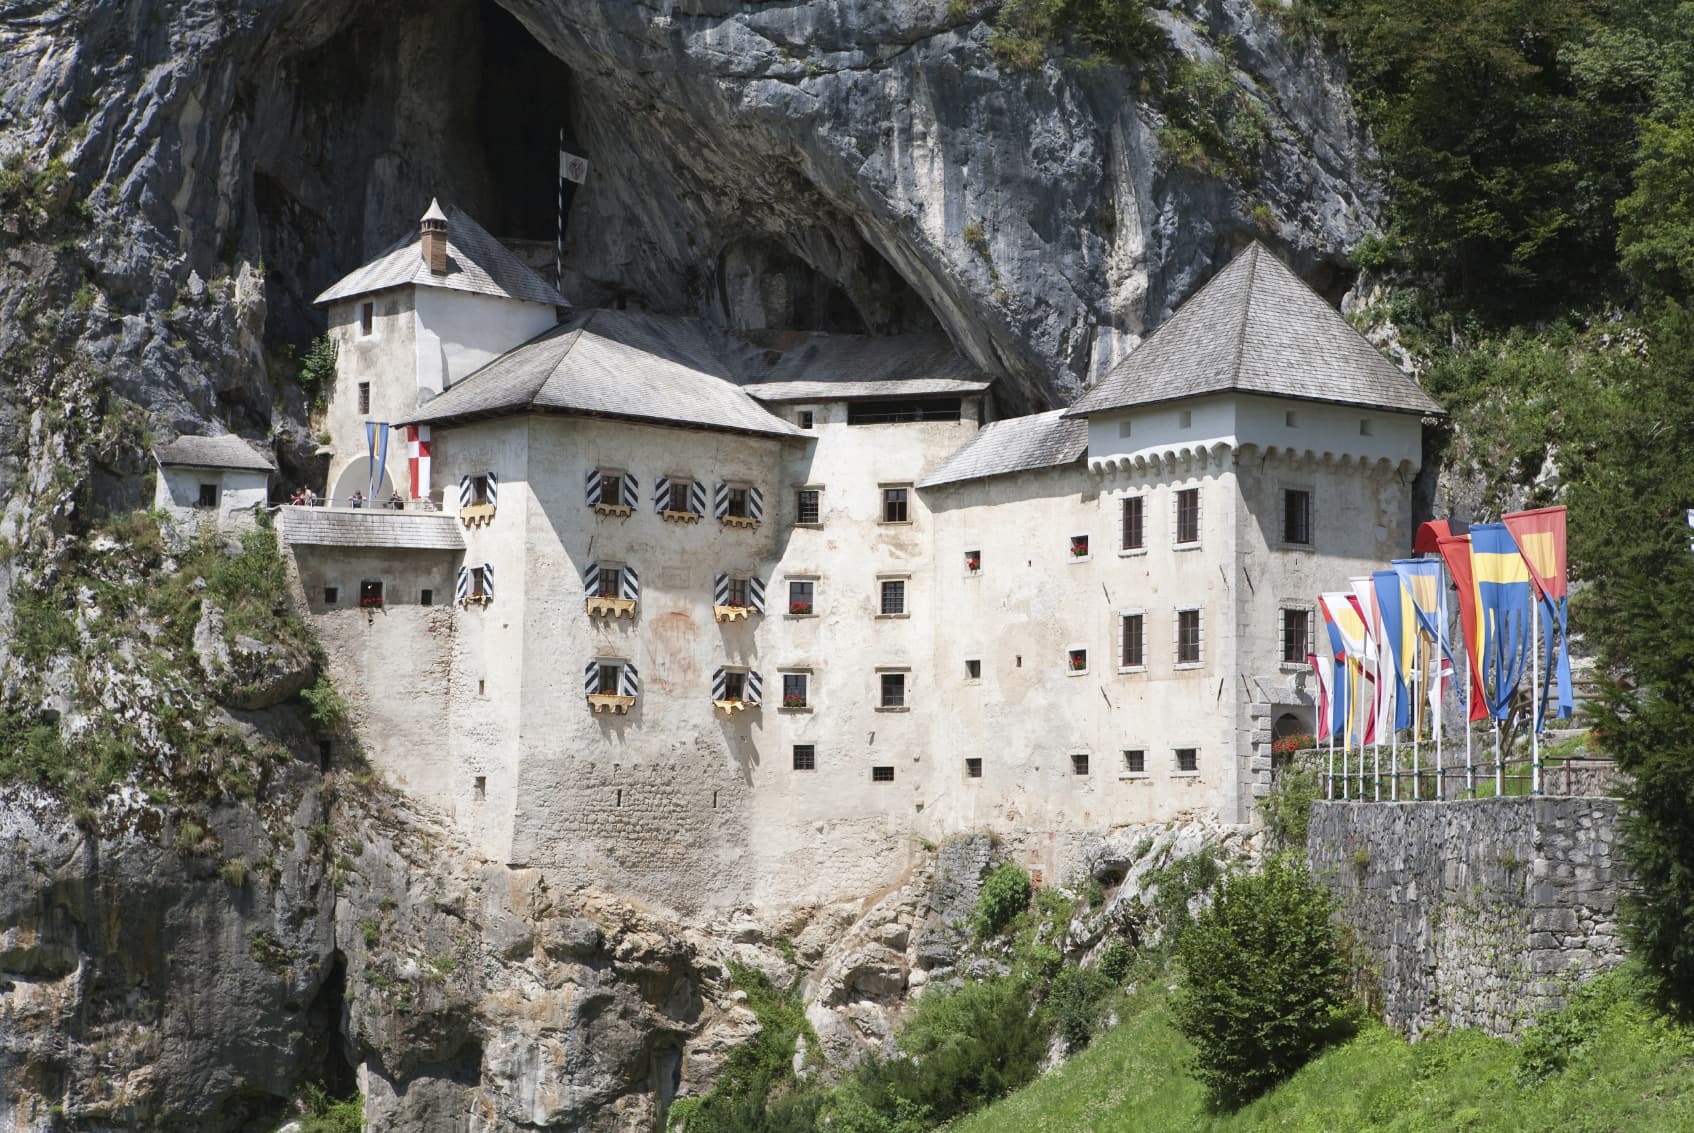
point(799, 607)
point(973, 562)
point(1079, 547)
point(1079, 663)
point(1288, 745)
point(371, 602)
point(794, 702)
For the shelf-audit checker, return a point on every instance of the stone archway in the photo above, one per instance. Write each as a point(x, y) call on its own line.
point(355, 477)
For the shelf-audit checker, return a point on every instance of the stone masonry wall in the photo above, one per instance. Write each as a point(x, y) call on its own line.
point(1484, 913)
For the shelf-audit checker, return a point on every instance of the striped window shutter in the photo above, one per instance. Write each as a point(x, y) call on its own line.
point(720, 590)
point(756, 593)
point(697, 497)
point(718, 685)
point(493, 489)
point(591, 678)
point(592, 488)
point(756, 505)
point(462, 589)
point(591, 578)
point(720, 500)
point(629, 681)
point(464, 491)
point(755, 687)
point(629, 586)
point(488, 581)
point(631, 491)
point(661, 492)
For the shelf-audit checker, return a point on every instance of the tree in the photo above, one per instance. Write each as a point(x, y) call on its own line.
point(1656, 221)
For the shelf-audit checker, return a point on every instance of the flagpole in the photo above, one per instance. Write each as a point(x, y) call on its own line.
point(559, 244)
point(1438, 701)
point(1534, 694)
point(1470, 696)
point(1499, 768)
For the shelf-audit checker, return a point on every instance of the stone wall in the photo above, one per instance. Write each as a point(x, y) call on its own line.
point(1482, 913)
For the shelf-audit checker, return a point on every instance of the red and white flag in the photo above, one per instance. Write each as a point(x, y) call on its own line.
point(417, 457)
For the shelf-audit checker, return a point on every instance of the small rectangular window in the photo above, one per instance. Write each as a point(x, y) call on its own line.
point(1188, 515)
point(367, 319)
point(364, 398)
point(802, 596)
point(676, 496)
point(1291, 419)
point(208, 495)
point(737, 503)
point(973, 562)
point(370, 592)
point(1079, 546)
point(1123, 428)
point(1079, 763)
point(479, 788)
point(1295, 636)
point(479, 490)
point(1077, 660)
point(331, 594)
point(894, 505)
point(973, 669)
point(893, 690)
point(738, 593)
point(734, 685)
point(611, 488)
point(1133, 641)
point(1188, 637)
point(805, 757)
point(794, 690)
point(1134, 523)
point(426, 597)
point(1297, 516)
point(610, 675)
point(1135, 761)
point(973, 767)
point(609, 582)
point(806, 418)
point(1184, 419)
point(882, 774)
point(1188, 759)
point(1364, 426)
point(479, 582)
point(893, 596)
point(806, 505)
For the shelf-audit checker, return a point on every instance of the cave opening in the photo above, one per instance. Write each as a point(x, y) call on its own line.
point(338, 1075)
point(522, 103)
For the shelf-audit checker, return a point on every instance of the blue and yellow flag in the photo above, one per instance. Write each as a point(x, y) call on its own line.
point(1540, 536)
point(1398, 646)
point(1502, 609)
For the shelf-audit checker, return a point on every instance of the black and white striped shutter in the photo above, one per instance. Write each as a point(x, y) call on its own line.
point(488, 581)
point(756, 505)
point(462, 589)
point(720, 500)
point(465, 491)
point(629, 586)
point(591, 488)
point(720, 590)
point(493, 489)
point(629, 681)
point(661, 493)
point(591, 579)
point(631, 491)
point(697, 497)
point(756, 592)
point(719, 686)
point(591, 678)
point(755, 687)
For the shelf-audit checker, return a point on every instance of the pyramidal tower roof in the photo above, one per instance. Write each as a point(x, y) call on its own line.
point(1256, 327)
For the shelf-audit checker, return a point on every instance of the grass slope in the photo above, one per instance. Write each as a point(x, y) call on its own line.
point(1610, 1065)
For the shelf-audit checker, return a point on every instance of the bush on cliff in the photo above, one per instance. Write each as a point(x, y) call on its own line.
point(1264, 983)
point(1004, 894)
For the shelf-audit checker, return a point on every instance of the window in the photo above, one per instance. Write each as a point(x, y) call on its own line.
point(426, 597)
point(882, 774)
point(331, 594)
point(893, 690)
point(806, 505)
point(806, 418)
point(364, 398)
point(1184, 419)
point(1079, 763)
point(1188, 515)
point(1134, 524)
point(479, 491)
point(676, 493)
point(973, 562)
point(610, 679)
point(738, 593)
point(1295, 639)
point(370, 592)
point(889, 412)
point(479, 788)
point(1079, 547)
point(973, 767)
point(1188, 637)
point(1077, 660)
point(794, 690)
point(802, 595)
point(734, 685)
point(609, 582)
point(479, 582)
point(1188, 759)
point(1123, 428)
point(611, 489)
point(1364, 426)
point(973, 669)
point(1291, 419)
point(208, 496)
point(367, 319)
point(1135, 761)
point(805, 757)
point(1296, 516)
point(893, 597)
point(894, 505)
point(1132, 638)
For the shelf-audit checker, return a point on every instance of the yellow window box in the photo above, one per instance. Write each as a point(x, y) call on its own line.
point(739, 521)
point(611, 607)
point(610, 702)
point(679, 516)
point(612, 509)
point(731, 613)
point(731, 707)
point(475, 600)
point(477, 515)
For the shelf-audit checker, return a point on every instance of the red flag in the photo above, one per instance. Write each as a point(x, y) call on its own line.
point(1540, 536)
point(1429, 536)
point(1455, 552)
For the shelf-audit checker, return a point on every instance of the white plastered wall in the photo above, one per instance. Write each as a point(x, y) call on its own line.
point(459, 332)
point(240, 492)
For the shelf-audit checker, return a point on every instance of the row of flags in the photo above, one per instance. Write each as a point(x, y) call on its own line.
point(417, 456)
point(1387, 649)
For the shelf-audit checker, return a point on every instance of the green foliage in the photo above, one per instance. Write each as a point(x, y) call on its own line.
point(1004, 894)
point(317, 370)
point(1212, 123)
point(1122, 31)
point(325, 1114)
point(41, 627)
point(1287, 810)
point(1263, 986)
point(32, 193)
point(327, 707)
point(1117, 960)
point(1656, 220)
point(743, 1092)
point(234, 873)
point(1073, 1004)
point(977, 239)
point(1177, 884)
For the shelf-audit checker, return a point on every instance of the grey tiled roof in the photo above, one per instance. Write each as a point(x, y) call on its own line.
point(1017, 444)
point(226, 451)
point(321, 527)
point(819, 366)
point(476, 262)
point(1257, 328)
point(625, 364)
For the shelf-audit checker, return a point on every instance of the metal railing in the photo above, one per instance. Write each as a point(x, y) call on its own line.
point(359, 503)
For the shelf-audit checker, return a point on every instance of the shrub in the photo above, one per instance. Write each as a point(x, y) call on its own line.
point(325, 1114)
point(327, 707)
point(1073, 1004)
point(1116, 961)
point(317, 370)
point(1263, 986)
point(1287, 810)
point(1177, 885)
point(1005, 894)
point(234, 873)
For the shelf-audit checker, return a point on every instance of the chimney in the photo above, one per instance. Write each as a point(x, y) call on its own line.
point(434, 225)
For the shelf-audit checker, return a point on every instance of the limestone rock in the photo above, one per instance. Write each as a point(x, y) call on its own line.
point(248, 673)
